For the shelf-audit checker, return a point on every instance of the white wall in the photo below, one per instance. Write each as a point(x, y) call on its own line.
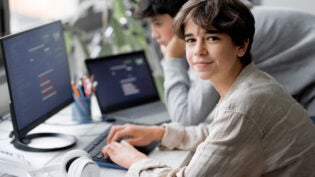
point(305, 5)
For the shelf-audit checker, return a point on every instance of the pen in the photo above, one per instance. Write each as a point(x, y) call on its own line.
point(80, 88)
point(75, 90)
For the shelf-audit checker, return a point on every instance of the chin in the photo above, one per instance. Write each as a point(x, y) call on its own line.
point(203, 76)
point(162, 43)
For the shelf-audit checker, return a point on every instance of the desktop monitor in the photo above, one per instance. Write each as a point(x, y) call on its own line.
point(38, 78)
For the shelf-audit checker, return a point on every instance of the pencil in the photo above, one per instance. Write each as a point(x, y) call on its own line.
point(75, 90)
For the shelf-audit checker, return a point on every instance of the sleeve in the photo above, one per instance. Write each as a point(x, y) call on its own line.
point(186, 94)
point(232, 149)
point(177, 136)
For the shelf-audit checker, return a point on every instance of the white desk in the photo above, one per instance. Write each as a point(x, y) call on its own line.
point(84, 134)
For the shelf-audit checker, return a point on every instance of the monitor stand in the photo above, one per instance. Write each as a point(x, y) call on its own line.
point(24, 143)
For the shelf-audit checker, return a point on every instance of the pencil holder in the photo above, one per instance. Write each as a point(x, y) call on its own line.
point(81, 109)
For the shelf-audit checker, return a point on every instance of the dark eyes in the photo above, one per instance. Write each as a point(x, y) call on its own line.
point(210, 38)
point(158, 24)
point(190, 40)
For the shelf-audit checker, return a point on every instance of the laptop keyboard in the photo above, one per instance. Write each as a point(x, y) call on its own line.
point(95, 147)
point(148, 109)
point(143, 110)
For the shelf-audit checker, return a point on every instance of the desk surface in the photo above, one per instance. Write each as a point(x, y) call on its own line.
point(84, 133)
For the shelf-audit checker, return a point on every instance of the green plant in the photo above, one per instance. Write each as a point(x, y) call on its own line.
point(122, 33)
point(127, 33)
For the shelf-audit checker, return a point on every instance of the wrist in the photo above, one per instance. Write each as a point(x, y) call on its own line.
point(159, 133)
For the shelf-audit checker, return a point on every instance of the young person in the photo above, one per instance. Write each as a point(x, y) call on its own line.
point(185, 93)
point(258, 129)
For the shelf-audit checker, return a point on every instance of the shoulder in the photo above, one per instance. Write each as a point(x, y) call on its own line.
point(254, 92)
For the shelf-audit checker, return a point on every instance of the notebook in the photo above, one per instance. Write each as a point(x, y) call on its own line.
point(126, 90)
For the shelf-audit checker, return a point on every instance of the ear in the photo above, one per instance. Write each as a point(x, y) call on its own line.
point(243, 48)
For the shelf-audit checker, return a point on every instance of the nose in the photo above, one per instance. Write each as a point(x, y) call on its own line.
point(200, 48)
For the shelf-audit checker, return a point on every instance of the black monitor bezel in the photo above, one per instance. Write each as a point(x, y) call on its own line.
point(19, 134)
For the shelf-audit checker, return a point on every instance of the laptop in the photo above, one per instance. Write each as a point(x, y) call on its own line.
point(126, 90)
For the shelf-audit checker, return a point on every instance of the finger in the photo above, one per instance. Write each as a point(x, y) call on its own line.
point(113, 131)
point(105, 150)
point(120, 134)
point(111, 148)
point(126, 131)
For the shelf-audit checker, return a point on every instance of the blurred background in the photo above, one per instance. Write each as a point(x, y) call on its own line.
point(304, 5)
point(94, 28)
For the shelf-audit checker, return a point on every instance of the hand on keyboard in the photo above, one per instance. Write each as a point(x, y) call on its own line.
point(123, 153)
point(138, 135)
point(95, 148)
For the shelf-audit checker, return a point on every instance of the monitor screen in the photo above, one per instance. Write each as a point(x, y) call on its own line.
point(124, 80)
point(38, 75)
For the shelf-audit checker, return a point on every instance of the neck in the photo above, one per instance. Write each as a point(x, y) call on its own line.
point(224, 82)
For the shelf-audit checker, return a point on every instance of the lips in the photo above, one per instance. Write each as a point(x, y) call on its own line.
point(202, 64)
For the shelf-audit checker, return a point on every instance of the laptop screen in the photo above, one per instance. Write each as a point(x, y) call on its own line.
point(124, 81)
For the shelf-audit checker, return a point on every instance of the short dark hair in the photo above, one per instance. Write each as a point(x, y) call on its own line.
point(231, 17)
point(150, 8)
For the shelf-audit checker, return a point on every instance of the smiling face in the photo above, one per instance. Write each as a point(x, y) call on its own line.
point(161, 28)
point(212, 54)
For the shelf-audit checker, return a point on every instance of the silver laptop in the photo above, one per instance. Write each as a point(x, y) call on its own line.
point(126, 90)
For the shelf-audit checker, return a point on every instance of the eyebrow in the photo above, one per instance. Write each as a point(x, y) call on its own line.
point(155, 18)
point(207, 32)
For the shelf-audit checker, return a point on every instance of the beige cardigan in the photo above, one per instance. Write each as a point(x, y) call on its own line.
point(258, 130)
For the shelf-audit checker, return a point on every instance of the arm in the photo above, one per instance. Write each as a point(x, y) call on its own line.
point(136, 135)
point(232, 149)
point(171, 136)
